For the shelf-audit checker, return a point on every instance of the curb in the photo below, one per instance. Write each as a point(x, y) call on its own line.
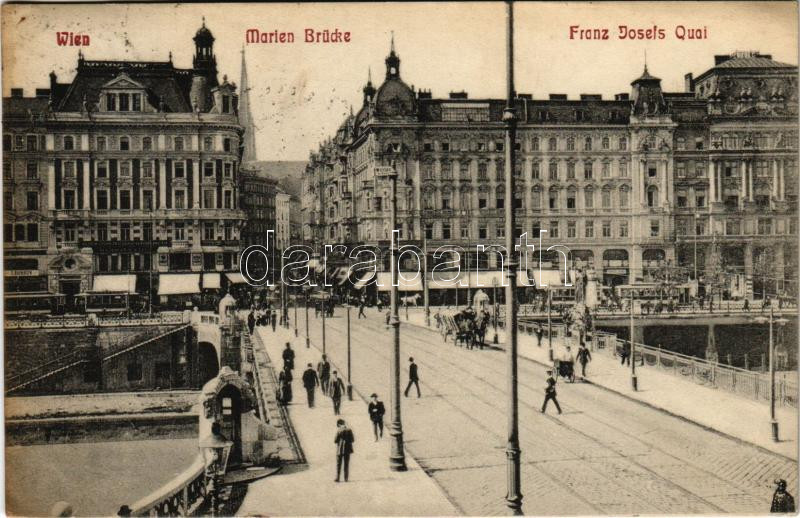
point(654, 407)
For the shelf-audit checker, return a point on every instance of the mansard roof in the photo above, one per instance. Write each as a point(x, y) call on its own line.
point(161, 80)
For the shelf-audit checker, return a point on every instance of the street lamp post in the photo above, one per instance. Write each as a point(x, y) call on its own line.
point(295, 314)
point(634, 382)
point(696, 216)
point(308, 340)
point(496, 305)
point(349, 382)
point(549, 325)
point(772, 321)
point(397, 459)
point(513, 494)
point(425, 293)
point(324, 310)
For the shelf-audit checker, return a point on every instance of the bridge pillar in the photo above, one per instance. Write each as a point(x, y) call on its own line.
point(711, 345)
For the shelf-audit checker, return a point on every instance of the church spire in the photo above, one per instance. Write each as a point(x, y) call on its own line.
point(246, 117)
point(392, 62)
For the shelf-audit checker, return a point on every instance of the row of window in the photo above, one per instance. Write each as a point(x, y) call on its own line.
point(125, 200)
point(555, 170)
point(112, 143)
point(738, 227)
point(586, 143)
point(21, 232)
point(126, 231)
point(605, 229)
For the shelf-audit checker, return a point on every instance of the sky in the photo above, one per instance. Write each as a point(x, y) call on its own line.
point(301, 92)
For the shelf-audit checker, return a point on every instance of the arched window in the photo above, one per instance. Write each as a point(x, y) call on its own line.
point(623, 196)
point(606, 198)
point(588, 198)
point(535, 144)
point(623, 143)
point(124, 144)
point(552, 144)
point(429, 200)
point(587, 144)
point(571, 144)
point(605, 143)
point(447, 169)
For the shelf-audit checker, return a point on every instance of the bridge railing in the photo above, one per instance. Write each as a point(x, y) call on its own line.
point(746, 383)
point(78, 321)
point(181, 496)
point(724, 308)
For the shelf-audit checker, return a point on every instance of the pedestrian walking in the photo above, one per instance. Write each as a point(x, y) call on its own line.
point(539, 335)
point(251, 322)
point(324, 373)
point(273, 320)
point(344, 448)
point(336, 391)
point(413, 377)
point(310, 382)
point(361, 309)
point(550, 393)
point(285, 384)
point(782, 501)
point(388, 317)
point(746, 305)
point(288, 357)
point(625, 353)
point(584, 357)
point(380, 304)
point(376, 411)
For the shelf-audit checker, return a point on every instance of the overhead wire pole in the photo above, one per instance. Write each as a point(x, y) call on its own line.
point(514, 495)
point(397, 459)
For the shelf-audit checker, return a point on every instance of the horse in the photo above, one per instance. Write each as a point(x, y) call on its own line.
point(410, 300)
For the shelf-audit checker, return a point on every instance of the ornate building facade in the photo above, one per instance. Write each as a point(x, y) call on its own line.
point(630, 186)
point(136, 168)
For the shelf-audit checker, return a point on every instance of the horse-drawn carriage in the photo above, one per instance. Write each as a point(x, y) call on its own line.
point(467, 328)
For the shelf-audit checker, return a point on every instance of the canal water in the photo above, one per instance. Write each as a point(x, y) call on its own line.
point(734, 340)
point(95, 478)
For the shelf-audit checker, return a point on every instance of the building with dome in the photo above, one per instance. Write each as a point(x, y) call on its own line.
point(122, 183)
point(632, 186)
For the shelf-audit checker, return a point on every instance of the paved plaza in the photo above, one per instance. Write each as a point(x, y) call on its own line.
point(607, 454)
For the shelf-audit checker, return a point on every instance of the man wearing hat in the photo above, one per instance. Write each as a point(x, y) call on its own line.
point(344, 448)
point(782, 502)
point(550, 392)
point(376, 411)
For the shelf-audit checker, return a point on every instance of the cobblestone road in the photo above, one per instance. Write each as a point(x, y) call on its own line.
point(605, 455)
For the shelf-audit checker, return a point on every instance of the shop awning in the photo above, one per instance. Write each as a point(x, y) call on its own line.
point(178, 283)
point(548, 278)
point(411, 282)
point(211, 281)
point(114, 284)
point(365, 279)
point(235, 278)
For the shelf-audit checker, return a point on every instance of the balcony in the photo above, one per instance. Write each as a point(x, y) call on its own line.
point(181, 243)
point(69, 214)
point(220, 242)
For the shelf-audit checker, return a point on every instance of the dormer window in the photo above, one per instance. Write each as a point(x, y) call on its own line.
point(111, 102)
point(226, 104)
point(123, 94)
point(124, 102)
point(136, 102)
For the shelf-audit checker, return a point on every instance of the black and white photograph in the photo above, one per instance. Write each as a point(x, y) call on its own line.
point(400, 259)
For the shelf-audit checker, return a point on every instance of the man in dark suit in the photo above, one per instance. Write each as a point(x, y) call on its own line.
point(376, 412)
point(550, 392)
point(288, 357)
point(324, 373)
point(413, 377)
point(336, 391)
point(310, 382)
point(344, 448)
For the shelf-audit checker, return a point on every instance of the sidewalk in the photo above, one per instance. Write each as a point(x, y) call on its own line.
point(373, 489)
point(732, 415)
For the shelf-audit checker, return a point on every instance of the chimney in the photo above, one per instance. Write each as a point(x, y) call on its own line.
point(458, 95)
point(720, 59)
point(558, 97)
point(16, 93)
point(591, 97)
point(424, 94)
point(622, 97)
point(525, 96)
point(43, 93)
point(688, 81)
